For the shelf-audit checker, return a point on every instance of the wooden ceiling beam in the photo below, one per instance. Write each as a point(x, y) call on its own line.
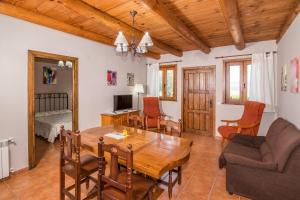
point(231, 14)
point(108, 21)
point(43, 20)
point(289, 20)
point(177, 25)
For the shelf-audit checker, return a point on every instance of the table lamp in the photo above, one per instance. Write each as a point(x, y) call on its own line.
point(139, 89)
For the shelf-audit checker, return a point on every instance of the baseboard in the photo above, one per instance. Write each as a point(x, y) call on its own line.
point(19, 171)
point(217, 137)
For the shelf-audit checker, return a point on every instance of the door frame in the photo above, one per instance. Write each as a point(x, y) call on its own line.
point(213, 67)
point(31, 91)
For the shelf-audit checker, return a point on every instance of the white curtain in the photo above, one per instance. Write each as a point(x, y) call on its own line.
point(153, 80)
point(262, 80)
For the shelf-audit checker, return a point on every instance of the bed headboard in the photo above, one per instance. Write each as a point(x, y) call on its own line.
point(51, 101)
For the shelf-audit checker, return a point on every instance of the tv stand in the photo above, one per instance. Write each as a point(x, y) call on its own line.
point(116, 118)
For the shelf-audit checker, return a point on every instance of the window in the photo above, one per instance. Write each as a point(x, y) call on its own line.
point(237, 81)
point(167, 82)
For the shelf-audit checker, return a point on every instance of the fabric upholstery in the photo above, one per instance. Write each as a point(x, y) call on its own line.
point(227, 132)
point(275, 130)
point(252, 114)
point(264, 168)
point(152, 122)
point(151, 107)
point(249, 141)
point(288, 141)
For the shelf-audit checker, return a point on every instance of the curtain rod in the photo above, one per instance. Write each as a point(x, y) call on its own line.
point(175, 61)
point(220, 57)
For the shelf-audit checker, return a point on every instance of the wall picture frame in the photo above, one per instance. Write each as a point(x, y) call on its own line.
point(294, 75)
point(284, 78)
point(111, 78)
point(49, 75)
point(130, 79)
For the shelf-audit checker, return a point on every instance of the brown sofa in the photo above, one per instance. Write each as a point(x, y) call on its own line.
point(264, 168)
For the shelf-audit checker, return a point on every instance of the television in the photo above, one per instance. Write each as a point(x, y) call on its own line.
point(122, 102)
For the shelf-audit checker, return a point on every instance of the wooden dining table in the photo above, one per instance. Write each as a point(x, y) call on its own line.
point(154, 154)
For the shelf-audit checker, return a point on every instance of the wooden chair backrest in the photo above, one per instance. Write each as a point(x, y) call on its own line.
point(70, 146)
point(171, 127)
point(116, 153)
point(134, 120)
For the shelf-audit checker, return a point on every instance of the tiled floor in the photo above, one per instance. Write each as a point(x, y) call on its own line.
point(201, 177)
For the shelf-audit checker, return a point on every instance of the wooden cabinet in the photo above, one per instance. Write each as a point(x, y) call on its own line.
point(116, 118)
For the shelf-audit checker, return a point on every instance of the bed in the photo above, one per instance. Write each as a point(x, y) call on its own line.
point(52, 111)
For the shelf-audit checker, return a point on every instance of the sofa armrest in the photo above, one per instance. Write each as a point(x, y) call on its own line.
point(250, 141)
point(248, 162)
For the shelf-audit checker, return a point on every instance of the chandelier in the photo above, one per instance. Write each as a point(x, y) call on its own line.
point(122, 46)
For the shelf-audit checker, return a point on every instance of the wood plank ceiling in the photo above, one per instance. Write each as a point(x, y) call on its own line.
point(175, 25)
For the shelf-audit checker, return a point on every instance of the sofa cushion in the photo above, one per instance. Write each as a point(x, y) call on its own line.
point(248, 140)
point(248, 162)
point(242, 150)
point(275, 130)
point(266, 153)
point(281, 149)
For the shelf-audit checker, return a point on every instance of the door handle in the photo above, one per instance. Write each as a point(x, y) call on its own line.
point(210, 103)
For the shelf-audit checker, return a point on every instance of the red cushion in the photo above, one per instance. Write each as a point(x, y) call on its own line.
point(227, 131)
point(151, 106)
point(253, 112)
point(152, 122)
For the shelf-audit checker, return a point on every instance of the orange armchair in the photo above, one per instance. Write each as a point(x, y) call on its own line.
point(247, 125)
point(152, 113)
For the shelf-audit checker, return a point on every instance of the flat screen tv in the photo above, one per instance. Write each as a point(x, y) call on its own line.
point(122, 102)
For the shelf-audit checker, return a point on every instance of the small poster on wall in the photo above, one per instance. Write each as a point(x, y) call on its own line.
point(49, 75)
point(130, 79)
point(284, 78)
point(294, 75)
point(111, 78)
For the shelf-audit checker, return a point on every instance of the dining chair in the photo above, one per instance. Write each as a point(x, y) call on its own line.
point(247, 125)
point(135, 121)
point(152, 113)
point(121, 183)
point(79, 168)
point(172, 128)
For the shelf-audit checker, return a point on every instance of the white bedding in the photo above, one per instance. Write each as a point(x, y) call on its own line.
point(47, 124)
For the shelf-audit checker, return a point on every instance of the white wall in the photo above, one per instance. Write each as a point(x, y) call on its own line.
point(63, 85)
point(197, 58)
point(16, 38)
point(288, 48)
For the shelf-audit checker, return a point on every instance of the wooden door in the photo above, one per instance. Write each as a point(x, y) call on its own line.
point(199, 100)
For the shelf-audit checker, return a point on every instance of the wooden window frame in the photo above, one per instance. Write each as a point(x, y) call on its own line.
point(243, 81)
point(164, 69)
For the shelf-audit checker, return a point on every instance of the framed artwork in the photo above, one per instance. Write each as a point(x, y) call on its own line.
point(111, 78)
point(294, 75)
point(284, 80)
point(130, 79)
point(49, 75)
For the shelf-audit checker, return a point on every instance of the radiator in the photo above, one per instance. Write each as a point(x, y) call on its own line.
point(4, 158)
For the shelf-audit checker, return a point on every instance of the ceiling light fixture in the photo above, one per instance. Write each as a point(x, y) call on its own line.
point(65, 65)
point(122, 46)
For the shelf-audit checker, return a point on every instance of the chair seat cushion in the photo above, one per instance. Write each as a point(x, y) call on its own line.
point(242, 150)
point(140, 187)
point(248, 140)
point(227, 131)
point(88, 163)
point(152, 122)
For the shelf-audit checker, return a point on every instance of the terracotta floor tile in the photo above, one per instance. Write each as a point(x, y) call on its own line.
point(202, 179)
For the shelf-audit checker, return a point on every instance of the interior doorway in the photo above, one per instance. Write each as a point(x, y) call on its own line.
point(52, 99)
point(198, 107)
